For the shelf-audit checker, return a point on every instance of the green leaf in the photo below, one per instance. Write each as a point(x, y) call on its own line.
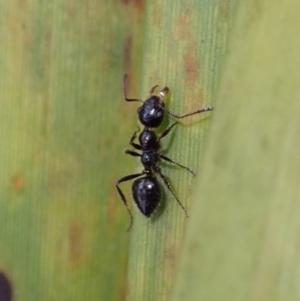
point(64, 124)
point(183, 49)
point(242, 242)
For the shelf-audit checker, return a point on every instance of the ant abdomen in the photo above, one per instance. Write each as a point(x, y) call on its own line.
point(146, 194)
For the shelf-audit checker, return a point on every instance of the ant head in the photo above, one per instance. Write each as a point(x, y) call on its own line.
point(151, 113)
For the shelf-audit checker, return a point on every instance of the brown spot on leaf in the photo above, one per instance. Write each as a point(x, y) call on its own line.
point(191, 66)
point(5, 288)
point(264, 142)
point(170, 258)
point(22, 2)
point(18, 182)
point(182, 27)
point(127, 53)
point(184, 19)
point(139, 4)
point(75, 243)
point(224, 9)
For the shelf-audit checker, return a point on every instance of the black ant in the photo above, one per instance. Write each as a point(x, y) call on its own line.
point(146, 191)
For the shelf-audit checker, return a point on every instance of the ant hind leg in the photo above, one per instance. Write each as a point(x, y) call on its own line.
point(157, 169)
point(124, 179)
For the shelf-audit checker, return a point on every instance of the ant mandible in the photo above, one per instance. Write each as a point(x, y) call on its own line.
point(146, 190)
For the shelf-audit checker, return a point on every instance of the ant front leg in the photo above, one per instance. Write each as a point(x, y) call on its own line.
point(188, 114)
point(124, 90)
point(157, 169)
point(124, 179)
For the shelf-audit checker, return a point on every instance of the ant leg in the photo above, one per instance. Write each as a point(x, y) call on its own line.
point(124, 179)
point(157, 169)
point(166, 132)
point(175, 163)
point(135, 145)
point(164, 93)
point(132, 153)
point(188, 114)
point(124, 90)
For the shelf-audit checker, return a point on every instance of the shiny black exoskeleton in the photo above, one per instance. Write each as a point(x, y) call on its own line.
point(151, 113)
point(146, 190)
